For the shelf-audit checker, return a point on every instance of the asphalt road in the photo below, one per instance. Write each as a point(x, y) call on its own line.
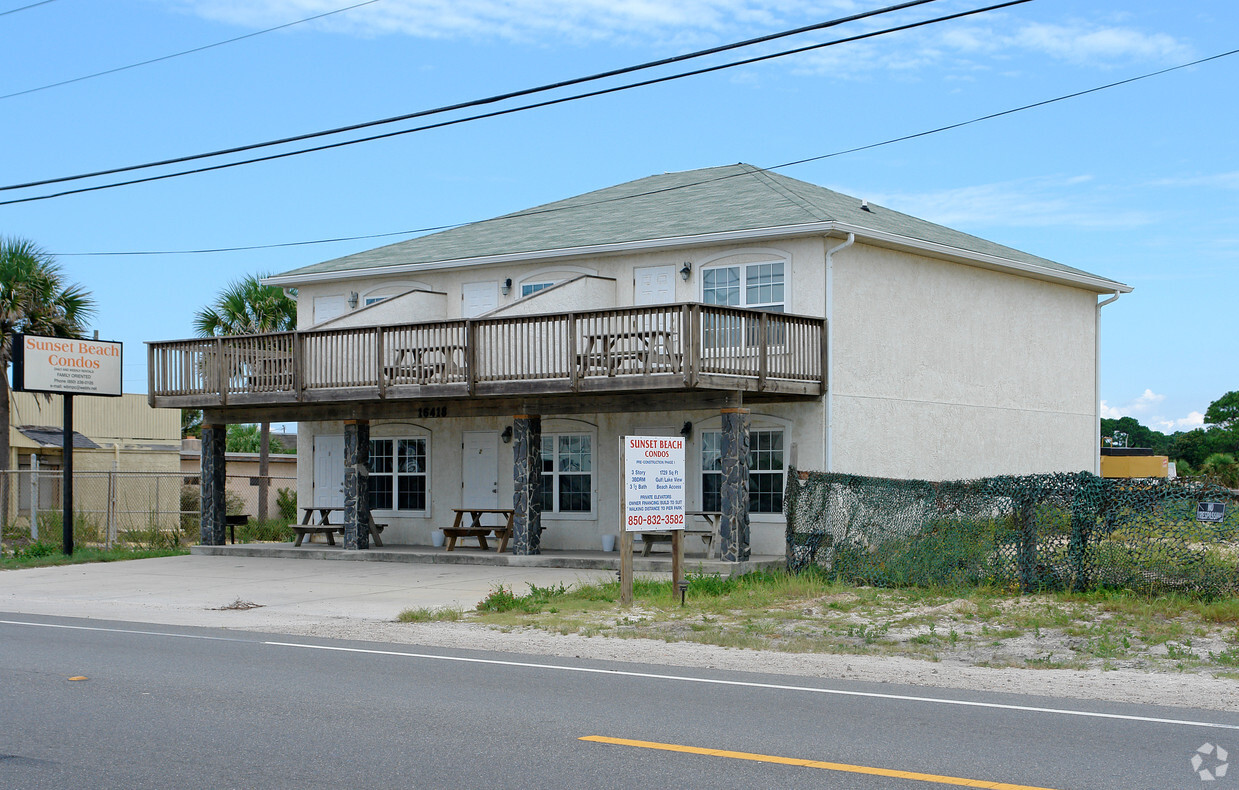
point(168, 706)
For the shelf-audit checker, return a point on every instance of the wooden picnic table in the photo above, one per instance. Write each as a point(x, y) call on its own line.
point(436, 364)
point(476, 529)
point(629, 350)
point(709, 537)
point(309, 526)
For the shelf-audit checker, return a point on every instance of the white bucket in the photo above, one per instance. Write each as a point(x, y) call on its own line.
point(608, 543)
point(437, 538)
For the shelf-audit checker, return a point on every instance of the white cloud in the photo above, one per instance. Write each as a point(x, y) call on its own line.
point(694, 22)
point(1135, 408)
point(1053, 201)
point(1215, 181)
point(528, 20)
point(1141, 407)
point(1193, 420)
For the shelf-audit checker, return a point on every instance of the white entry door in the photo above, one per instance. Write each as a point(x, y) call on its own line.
point(329, 471)
point(653, 285)
point(478, 298)
point(480, 472)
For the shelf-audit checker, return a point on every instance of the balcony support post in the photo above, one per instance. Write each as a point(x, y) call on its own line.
point(213, 507)
point(356, 484)
point(527, 484)
point(734, 524)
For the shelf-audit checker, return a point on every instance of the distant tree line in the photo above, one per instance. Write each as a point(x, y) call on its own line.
point(1211, 450)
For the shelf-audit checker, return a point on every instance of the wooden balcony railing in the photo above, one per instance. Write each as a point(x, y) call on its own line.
point(683, 346)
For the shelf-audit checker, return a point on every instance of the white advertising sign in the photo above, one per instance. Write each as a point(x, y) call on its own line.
point(654, 482)
point(67, 365)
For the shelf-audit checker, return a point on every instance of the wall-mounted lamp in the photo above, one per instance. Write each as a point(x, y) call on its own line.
point(686, 429)
point(352, 300)
point(686, 270)
point(506, 435)
point(506, 288)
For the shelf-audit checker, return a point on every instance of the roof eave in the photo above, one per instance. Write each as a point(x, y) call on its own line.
point(881, 238)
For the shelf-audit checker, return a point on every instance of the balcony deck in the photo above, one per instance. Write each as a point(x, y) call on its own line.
point(681, 348)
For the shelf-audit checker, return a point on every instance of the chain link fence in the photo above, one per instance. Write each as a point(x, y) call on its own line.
point(118, 508)
point(1034, 532)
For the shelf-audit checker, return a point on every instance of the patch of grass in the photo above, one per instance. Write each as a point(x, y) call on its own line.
point(40, 557)
point(429, 615)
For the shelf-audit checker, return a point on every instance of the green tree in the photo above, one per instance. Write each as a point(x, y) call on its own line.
point(1224, 412)
point(1222, 469)
point(36, 300)
point(247, 307)
point(1137, 434)
point(191, 423)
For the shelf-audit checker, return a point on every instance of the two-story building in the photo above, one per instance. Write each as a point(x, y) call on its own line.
point(767, 320)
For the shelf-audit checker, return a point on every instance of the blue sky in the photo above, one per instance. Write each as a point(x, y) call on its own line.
point(1138, 183)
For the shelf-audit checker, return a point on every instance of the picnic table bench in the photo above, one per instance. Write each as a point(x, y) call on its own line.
point(708, 535)
point(476, 529)
point(324, 526)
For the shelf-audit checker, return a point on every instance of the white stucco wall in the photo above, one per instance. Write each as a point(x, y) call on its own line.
point(584, 292)
point(945, 371)
point(406, 308)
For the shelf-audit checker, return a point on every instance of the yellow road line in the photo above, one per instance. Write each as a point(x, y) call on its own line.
point(769, 758)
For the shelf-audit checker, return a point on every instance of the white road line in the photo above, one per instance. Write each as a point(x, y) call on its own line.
point(774, 686)
point(655, 676)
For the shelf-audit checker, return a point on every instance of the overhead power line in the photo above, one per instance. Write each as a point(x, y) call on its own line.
point(178, 54)
point(479, 102)
point(550, 210)
point(23, 8)
point(497, 113)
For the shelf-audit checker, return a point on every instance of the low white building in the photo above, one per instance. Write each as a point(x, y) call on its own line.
point(733, 306)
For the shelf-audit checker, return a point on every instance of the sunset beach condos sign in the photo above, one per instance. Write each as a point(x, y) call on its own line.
point(68, 366)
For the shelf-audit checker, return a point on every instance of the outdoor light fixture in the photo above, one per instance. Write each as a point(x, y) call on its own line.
point(506, 435)
point(686, 429)
point(506, 288)
point(686, 270)
point(352, 300)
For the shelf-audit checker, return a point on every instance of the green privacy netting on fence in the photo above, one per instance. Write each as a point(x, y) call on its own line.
point(1034, 532)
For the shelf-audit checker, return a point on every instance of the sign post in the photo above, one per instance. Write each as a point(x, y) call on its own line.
point(67, 367)
point(653, 478)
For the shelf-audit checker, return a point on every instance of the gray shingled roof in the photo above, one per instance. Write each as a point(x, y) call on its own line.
point(54, 437)
point(691, 203)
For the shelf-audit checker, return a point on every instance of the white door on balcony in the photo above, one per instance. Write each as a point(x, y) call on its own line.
point(478, 298)
point(653, 285)
point(480, 472)
point(329, 307)
point(329, 471)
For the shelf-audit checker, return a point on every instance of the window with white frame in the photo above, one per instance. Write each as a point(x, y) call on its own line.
point(567, 473)
point(375, 299)
point(757, 286)
point(765, 471)
point(532, 288)
point(399, 471)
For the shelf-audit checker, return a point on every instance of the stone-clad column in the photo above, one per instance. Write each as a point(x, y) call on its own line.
point(527, 484)
point(734, 525)
point(213, 482)
point(356, 484)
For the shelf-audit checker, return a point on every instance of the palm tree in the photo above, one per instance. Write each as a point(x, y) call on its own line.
point(34, 299)
point(247, 307)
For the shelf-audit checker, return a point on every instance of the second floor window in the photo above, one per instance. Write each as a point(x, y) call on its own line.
point(753, 285)
point(531, 288)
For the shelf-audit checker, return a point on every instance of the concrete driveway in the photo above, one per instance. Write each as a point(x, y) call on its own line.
point(198, 590)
